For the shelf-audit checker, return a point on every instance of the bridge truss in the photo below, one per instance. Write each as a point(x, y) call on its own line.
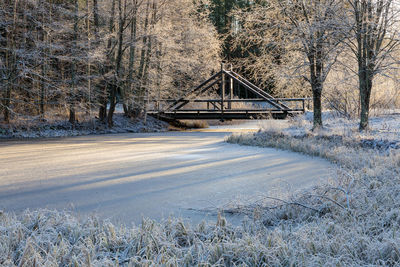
point(219, 98)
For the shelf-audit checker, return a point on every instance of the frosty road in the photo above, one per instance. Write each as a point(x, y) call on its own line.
point(127, 176)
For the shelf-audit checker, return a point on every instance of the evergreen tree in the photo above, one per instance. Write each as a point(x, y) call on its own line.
point(225, 23)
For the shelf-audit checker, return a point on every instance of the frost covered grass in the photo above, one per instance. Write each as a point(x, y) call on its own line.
point(62, 128)
point(48, 238)
point(352, 221)
point(363, 204)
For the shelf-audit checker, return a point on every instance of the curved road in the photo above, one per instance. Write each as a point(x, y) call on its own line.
point(126, 176)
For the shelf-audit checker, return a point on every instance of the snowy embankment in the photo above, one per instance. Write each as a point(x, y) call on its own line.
point(40, 129)
point(360, 224)
point(384, 132)
point(352, 221)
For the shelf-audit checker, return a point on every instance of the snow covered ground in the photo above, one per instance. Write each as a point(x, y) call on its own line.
point(358, 217)
point(384, 132)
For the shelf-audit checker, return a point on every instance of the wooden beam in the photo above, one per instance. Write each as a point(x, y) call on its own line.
point(222, 90)
point(253, 86)
point(269, 100)
point(198, 93)
point(234, 100)
point(230, 91)
point(195, 89)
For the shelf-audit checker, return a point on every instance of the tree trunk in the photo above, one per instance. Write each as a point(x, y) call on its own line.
point(103, 108)
point(104, 94)
point(132, 49)
point(89, 71)
point(316, 70)
point(10, 65)
point(159, 73)
point(7, 91)
point(143, 52)
point(112, 106)
point(96, 18)
point(72, 114)
point(317, 91)
point(46, 51)
point(7, 102)
point(147, 61)
point(365, 96)
point(115, 86)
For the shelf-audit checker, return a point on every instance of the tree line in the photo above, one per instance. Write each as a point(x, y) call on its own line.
point(74, 58)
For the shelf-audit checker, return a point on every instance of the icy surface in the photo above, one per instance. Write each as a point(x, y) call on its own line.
point(127, 176)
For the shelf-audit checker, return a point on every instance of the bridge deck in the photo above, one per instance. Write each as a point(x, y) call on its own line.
point(218, 115)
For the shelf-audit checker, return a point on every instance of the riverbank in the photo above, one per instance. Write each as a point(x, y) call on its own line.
point(34, 129)
point(358, 214)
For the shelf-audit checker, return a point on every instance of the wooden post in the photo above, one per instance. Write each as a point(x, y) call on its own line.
point(230, 91)
point(222, 91)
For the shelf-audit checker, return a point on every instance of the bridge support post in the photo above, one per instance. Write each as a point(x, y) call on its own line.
point(231, 90)
point(222, 90)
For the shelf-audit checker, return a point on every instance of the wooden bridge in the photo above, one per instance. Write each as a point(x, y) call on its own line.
point(219, 97)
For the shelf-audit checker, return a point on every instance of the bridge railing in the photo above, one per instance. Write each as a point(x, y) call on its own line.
point(230, 105)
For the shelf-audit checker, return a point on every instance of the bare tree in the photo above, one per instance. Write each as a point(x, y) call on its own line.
point(375, 38)
point(191, 49)
point(118, 61)
point(303, 36)
point(128, 102)
point(10, 62)
point(72, 113)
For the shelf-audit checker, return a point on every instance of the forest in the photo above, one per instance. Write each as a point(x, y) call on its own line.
point(75, 60)
point(320, 188)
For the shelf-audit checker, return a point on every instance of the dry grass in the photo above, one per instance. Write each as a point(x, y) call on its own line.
point(193, 124)
point(353, 221)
